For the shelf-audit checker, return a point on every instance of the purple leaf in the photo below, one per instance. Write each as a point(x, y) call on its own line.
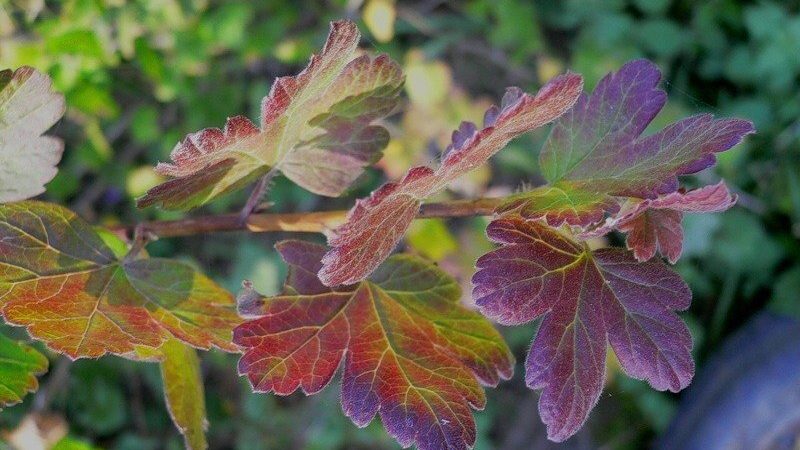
point(598, 144)
point(587, 299)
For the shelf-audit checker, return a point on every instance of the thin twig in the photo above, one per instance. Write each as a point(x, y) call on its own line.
point(310, 222)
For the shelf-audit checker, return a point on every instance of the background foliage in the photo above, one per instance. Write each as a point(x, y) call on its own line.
point(138, 75)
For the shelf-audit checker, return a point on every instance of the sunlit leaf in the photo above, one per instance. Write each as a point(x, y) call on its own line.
point(28, 107)
point(183, 389)
point(588, 300)
point(67, 287)
point(598, 146)
point(19, 365)
point(411, 352)
point(316, 128)
point(376, 224)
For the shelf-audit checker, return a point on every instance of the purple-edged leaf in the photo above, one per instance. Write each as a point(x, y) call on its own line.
point(655, 225)
point(410, 351)
point(598, 144)
point(375, 225)
point(559, 204)
point(588, 300)
point(28, 107)
point(316, 128)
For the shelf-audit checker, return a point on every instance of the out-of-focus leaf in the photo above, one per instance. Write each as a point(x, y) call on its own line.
point(411, 352)
point(376, 224)
point(379, 16)
point(19, 365)
point(589, 299)
point(183, 389)
point(69, 289)
point(747, 395)
point(28, 107)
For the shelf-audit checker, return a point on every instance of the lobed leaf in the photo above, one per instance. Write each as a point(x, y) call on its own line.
point(19, 365)
point(316, 128)
point(183, 391)
point(587, 300)
point(68, 288)
point(655, 224)
point(411, 352)
point(598, 146)
point(375, 225)
point(28, 107)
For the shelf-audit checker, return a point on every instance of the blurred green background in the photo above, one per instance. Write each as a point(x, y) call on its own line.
point(139, 75)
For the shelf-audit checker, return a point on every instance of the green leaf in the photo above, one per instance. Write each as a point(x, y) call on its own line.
point(19, 365)
point(183, 389)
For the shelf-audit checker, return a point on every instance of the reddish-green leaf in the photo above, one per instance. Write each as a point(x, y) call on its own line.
point(19, 365)
point(316, 128)
point(183, 390)
point(375, 225)
point(655, 224)
point(559, 204)
point(411, 352)
point(28, 107)
point(598, 146)
point(66, 286)
point(588, 300)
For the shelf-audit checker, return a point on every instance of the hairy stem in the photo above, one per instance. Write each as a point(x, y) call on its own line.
point(310, 222)
point(256, 195)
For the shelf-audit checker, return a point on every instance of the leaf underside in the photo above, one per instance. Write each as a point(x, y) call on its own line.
point(587, 300)
point(66, 286)
point(19, 365)
point(316, 128)
point(376, 224)
point(411, 353)
point(28, 107)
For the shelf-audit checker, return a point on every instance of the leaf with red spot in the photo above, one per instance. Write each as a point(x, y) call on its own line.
point(375, 225)
point(28, 107)
point(316, 128)
point(411, 352)
point(60, 280)
point(655, 224)
point(587, 300)
point(19, 365)
point(597, 146)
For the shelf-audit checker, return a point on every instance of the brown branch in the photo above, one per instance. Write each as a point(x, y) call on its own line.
point(310, 222)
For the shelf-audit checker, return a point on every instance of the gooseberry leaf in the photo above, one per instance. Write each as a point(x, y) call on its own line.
point(655, 224)
point(597, 146)
point(411, 352)
point(588, 299)
point(316, 128)
point(67, 287)
point(560, 203)
point(376, 224)
point(28, 107)
point(19, 365)
point(184, 393)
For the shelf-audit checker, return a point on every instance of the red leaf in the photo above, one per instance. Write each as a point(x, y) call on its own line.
point(411, 352)
point(655, 224)
point(376, 225)
point(587, 299)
